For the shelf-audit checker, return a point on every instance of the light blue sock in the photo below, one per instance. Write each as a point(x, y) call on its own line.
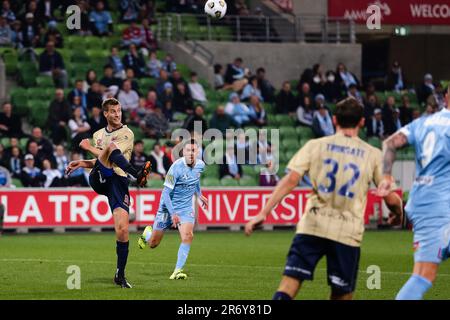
point(183, 253)
point(414, 288)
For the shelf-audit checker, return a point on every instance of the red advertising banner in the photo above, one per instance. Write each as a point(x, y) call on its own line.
point(37, 208)
point(408, 12)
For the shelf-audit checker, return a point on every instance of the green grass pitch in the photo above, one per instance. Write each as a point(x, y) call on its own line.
point(221, 265)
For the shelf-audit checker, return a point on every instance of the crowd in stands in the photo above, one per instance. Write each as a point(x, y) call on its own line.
point(174, 100)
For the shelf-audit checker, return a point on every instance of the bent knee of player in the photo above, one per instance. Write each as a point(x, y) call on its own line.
point(122, 230)
point(187, 237)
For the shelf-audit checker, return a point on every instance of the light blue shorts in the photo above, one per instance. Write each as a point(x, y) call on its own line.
point(431, 244)
point(163, 220)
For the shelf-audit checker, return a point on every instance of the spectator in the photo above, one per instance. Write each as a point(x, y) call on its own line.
point(101, 21)
point(97, 120)
point(94, 96)
point(182, 101)
point(148, 10)
point(305, 91)
point(306, 77)
point(79, 129)
point(395, 78)
point(322, 124)
point(251, 89)
point(238, 110)
point(78, 92)
point(45, 147)
point(219, 81)
point(13, 142)
point(320, 101)
point(169, 65)
point(177, 78)
point(32, 176)
point(15, 162)
point(242, 148)
point(54, 35)
point(196, 89)
point(319, 80)
point(53, 177)
point(152, 102)
point(197, 116)
point(230, 166)
point(148, 39)
point(37, 153)
point(305, 112)
point(405, 111)
point(222, 121)
point(167, 101)
point(235, 75)
point(58, 117)
point(374, 125)
point(155, 124)
point(5, 33)
point(5, 178)
point(109, 79)
point(51, 63)
point(16, 34)
point(138, 157)
point(267, 176)
point(136, 116)
point(61, 159)
point(134, 61)
point(416, 114)
point(154, 65)
point(115, 62)
point(257, 113)
point(85, 25)
point(354, 93)
point(91, 77)
point(10, 124)
point(45, 10)
point(345, 78)
point(267, 89)
point(3, 156)
point(286, 102)
point(159, 160)
point(129, 10)
point(332, 90)
point(128, 98)
point(388, 116)
point(77, 104)
point(438, 97)
point(397, 122)
point(132, 35)
point(161, 83)
point(130, 76)
point(30, 31)
point(78, 177)
point(6, 11)
point(370, 106)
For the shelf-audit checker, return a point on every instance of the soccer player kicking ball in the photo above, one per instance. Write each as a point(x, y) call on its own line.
point(340, 168)
point(113, 147)
point(428, 206)
point(175, 206)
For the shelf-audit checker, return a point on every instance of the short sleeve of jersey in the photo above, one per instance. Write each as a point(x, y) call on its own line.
point(410, 131)
point(301, 162)
point(202, 166)
point(171, 178)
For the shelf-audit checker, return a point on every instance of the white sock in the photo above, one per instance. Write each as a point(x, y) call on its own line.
point(147, 236)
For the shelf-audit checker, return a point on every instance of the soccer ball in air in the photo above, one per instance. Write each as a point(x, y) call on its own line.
point(216, 8)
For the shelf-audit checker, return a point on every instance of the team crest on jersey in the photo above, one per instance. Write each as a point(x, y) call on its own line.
point(126, 200)
point(185, 177)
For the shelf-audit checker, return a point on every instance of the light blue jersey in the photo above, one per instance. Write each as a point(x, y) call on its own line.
point(184, 181)
point(428, 206)
point(430, 137)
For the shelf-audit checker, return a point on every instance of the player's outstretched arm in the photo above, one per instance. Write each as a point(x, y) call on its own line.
point(390, 145)
point(284, 187)
point(74, 165)
point(85, 144)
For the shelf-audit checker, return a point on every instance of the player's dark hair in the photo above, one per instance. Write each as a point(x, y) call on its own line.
point(349, 113)
point(217, 68)
point(109, 102)
point(138, 142)
point(189, 142)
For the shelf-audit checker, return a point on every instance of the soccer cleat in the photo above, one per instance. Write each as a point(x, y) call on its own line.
point(178, 275)
point(122, 282)
point(142, 243)
point(143, 174)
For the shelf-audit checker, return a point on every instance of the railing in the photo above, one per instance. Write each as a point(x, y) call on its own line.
point(321, 29)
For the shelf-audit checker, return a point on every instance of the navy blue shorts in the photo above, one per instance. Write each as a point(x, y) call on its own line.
point(342, 261)
point(106, 182)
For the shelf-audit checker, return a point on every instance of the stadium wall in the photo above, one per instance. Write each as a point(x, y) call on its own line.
point(282, 61)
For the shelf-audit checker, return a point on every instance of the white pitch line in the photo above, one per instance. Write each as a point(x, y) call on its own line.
point(194, 265)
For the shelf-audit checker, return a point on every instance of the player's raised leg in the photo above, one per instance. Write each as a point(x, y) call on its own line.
point(187, 235)
point(121, 227)
point(150, 237)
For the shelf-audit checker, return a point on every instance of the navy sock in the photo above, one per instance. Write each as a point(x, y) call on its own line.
point(281, 296)
point(122, 256)
point(117, 158)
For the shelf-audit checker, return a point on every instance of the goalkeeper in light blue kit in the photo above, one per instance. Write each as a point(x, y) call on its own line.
point(176, 207)
point(428, 207)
